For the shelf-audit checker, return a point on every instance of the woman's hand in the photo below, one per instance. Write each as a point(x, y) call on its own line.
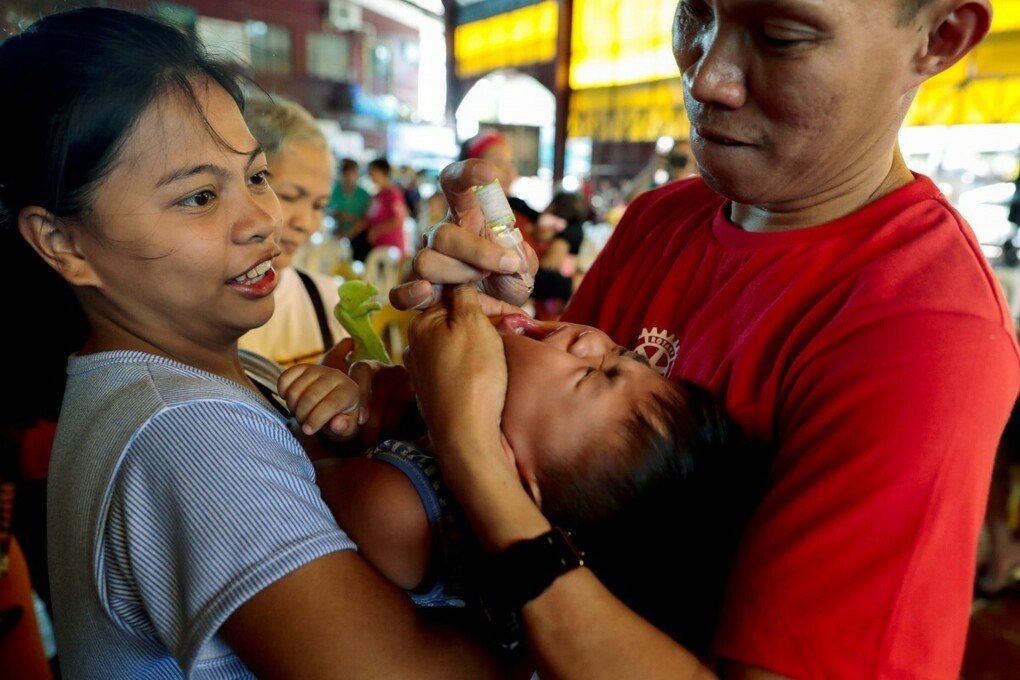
point(319, 396)
point(456, 251)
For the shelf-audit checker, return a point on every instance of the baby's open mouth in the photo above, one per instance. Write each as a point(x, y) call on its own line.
point(521, 324)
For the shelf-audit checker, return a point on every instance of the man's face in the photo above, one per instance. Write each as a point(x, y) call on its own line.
point(790, 101)
point(502, 156)
point(571, 391)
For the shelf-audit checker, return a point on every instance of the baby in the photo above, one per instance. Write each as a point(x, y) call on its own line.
point(608, 449)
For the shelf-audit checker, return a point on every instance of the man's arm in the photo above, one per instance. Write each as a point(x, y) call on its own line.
point(575, 628)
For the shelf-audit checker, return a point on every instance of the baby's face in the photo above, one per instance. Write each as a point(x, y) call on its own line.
point(571, 390)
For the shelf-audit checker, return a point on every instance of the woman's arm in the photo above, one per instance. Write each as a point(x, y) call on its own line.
point(380, 228)
point(337, 617)
point(256, 557)
point(554, 255)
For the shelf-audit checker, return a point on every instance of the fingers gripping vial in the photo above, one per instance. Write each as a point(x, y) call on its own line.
point(500, 220)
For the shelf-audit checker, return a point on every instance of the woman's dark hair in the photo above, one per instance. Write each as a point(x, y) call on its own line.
point(568, 205)
point(660, 523)
point(74, 86)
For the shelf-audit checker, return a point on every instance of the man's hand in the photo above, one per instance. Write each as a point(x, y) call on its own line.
point(457, 251)
point(457, 363)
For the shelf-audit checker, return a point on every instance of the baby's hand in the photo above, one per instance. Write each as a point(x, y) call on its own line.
point(320, 396)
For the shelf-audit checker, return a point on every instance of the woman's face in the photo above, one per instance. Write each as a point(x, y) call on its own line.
point(302, 177)
point(502, 156)
point(567, 385)
point(184, 229)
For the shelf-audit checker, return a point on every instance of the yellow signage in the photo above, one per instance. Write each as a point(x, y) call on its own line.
point(619, 42)
point(631, 113)
point(523, 36)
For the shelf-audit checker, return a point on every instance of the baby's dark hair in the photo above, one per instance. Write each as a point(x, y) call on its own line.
point(660, 523)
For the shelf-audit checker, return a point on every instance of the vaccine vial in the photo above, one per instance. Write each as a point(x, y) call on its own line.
point(500, 224)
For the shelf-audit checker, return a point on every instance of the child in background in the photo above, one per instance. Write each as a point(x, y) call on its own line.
point(387, 210)
point(348, 205)
point(607, 448)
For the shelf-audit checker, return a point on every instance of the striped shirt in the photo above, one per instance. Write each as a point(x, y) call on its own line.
point(174, 496)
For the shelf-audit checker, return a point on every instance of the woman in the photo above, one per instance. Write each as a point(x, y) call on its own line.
point(187, 536)
point(303, 326)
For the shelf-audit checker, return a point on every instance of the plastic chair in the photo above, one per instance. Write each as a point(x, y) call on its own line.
point(390, 325)
point(383, 269)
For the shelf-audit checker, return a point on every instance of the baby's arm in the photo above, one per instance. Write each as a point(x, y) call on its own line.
point(320, 397)
point(379, 508)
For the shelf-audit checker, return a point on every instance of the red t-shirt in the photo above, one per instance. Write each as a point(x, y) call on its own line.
point(388, 203)
point(877, 354)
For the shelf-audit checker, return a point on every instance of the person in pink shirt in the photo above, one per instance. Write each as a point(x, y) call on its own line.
point(387, 211)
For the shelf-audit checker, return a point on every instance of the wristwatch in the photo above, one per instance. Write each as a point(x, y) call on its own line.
point(509, 579)
point(523, 571)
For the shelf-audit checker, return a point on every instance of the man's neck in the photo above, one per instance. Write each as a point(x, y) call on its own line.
point(839, 202)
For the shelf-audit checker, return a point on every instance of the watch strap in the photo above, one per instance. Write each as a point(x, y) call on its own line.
point(523, 571)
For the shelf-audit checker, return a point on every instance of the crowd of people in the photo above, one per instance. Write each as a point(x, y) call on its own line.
point(761, 373)
point(394, 214)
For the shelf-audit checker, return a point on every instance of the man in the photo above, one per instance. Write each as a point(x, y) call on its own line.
point(837, 304)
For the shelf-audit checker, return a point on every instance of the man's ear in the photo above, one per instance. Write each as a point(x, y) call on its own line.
point(526, 472)
point(57, 244)
point(958, 26)
point(531, 486)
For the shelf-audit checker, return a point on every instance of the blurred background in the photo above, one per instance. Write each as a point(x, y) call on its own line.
point(587, 95)
point(583, 89)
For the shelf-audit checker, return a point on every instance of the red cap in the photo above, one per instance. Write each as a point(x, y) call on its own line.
point(484, 141)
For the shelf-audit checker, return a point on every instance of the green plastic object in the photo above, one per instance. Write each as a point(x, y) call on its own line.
point(357, 301)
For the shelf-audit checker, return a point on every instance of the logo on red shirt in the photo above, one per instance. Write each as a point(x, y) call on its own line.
point(660, 347)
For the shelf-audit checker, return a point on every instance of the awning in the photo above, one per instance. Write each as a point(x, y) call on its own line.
point(984, 87)
point(629, 113)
